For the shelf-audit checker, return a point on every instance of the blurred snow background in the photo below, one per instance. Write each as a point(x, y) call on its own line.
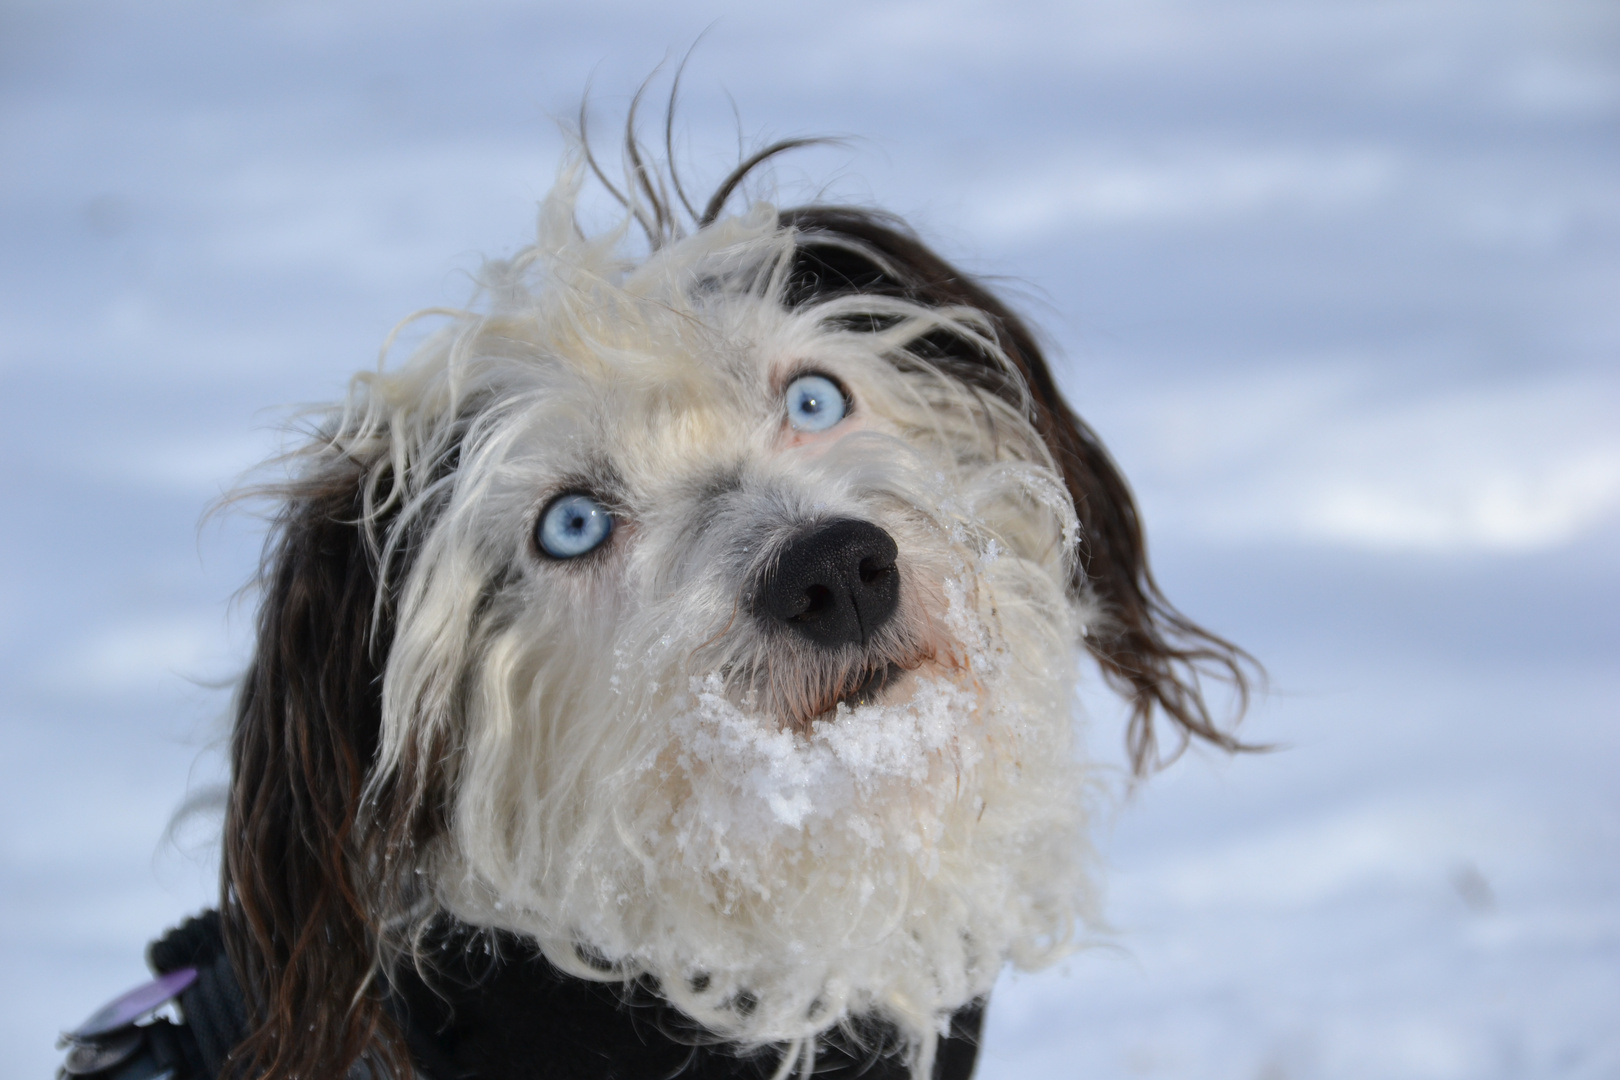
point(1338, 282)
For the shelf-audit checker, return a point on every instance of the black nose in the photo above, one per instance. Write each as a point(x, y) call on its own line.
point(835, 585)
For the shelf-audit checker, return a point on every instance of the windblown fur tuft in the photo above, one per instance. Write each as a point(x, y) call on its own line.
point(612, 756)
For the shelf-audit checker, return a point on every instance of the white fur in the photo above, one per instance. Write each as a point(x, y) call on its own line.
point(637, 783)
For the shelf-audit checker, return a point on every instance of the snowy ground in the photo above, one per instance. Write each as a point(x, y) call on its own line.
point(1336, 281)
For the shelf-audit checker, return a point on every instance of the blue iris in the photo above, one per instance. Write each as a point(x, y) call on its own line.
point(815, 403)
point(573, 525)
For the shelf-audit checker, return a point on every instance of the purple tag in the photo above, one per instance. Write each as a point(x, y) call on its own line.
point(130, 1007)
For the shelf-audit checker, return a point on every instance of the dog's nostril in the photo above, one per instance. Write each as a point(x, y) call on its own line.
point(835, 585)
point(873, 573)
point(817, 599)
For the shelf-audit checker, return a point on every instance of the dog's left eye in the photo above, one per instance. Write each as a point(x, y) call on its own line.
point(573, 525)
point(815, 403)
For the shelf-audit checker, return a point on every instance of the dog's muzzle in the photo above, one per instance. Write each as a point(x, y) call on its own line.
point(835, 585)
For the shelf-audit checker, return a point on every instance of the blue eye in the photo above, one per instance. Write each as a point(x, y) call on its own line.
point(573, 525)
point(815, 403)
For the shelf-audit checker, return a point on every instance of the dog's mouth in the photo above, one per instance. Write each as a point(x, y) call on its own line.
point(814, 697)
point(865, 686)
point(868, 687)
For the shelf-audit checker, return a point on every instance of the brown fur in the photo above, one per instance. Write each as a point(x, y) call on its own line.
point(295, 912)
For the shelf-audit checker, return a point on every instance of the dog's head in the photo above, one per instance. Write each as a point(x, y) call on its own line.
point(710, 619)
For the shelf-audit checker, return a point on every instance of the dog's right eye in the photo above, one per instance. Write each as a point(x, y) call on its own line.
point(573, 525)
point(815, 403)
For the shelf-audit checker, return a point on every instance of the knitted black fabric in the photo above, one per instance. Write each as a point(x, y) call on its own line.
point(507, 1014)
point(215, 1011)
point(492, 1008)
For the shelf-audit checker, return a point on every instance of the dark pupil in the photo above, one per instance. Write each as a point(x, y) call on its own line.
point(576, 523)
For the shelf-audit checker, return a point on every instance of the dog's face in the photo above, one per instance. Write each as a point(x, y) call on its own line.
point(749, 635)
point(711, 618)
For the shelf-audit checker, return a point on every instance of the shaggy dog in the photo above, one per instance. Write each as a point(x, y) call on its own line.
point(670, 667)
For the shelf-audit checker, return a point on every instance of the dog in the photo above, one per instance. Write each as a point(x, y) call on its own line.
point(669, 669)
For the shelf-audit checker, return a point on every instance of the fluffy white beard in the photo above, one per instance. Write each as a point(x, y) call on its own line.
point(777, 883)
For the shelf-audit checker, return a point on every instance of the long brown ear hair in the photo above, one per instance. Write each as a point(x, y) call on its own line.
point(295, 914)
point(1149, 651)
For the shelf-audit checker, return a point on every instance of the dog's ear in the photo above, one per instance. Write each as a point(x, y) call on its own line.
point(295, 912)
point(1148, 650)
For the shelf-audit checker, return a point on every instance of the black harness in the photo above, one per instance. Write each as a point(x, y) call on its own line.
point(501, 1013)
